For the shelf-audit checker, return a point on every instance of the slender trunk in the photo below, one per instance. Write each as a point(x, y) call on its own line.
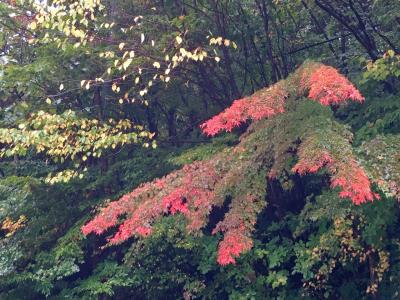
point(355, 25)
point(343, 55)
point(254, 46)
point(320, 28)
point(171, 123)
point(220, 21)
point(276, 73)
point(152, 120)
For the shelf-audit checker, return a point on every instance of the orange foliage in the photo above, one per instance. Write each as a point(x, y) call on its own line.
point(194, 190)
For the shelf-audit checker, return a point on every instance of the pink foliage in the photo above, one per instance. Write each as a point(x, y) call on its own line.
point(265, 103)
point(325, 85)
point(188, 191)
point(235, 242)
point(328, 86)
point(237, 227)
point(311, 164)
point(347, 175)
point(174, 202)
point(354, 182)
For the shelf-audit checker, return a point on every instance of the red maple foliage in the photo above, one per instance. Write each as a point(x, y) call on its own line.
point(195, 189)
point(237, 226)
point(327, 86)
point(354, 182)
point(188, 191)
point(262, 104)
point(345, 171)
point(235, 242)
point(309, 164)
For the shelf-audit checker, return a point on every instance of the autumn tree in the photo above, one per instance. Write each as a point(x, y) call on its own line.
point(318, 140)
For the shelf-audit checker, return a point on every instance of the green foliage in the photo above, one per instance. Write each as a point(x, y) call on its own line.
point(106, 278)
point(65, 76)
point(381, 157)
point(205, 151)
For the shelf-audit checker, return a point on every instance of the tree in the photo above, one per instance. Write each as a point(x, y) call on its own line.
point(197, 188)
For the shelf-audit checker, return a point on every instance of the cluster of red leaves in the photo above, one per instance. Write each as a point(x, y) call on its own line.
point(264, 103)
point(354, 182)
point(140, 213)
point(346, 174)
point(235, 242)
point(311, 164)
point(237, 227)
point(327, 86)
point(188, 191)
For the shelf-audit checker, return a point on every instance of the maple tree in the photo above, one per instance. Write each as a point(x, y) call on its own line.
point(197, 188)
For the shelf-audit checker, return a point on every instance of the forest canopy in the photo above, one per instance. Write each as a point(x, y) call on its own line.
point(199, 149)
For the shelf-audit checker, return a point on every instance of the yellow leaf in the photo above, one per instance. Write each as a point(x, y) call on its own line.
point(179, 40)
point(121, 46)
point(61, 87)
point(33, 25)
point(127, 63)
point(156, 64)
